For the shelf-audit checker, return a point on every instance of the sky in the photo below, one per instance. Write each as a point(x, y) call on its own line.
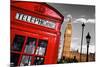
point(79, 14)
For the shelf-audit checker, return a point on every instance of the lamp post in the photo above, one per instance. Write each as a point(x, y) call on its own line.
point(88, 37)
point(82, 40)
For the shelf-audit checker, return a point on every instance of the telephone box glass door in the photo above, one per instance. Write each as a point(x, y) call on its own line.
point(28, 50)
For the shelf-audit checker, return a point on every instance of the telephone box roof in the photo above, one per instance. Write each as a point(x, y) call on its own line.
point(40, 8)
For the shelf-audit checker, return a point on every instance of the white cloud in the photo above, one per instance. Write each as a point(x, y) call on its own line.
point(67, 17)
point(83, 20)
point(91, 21)
point(80, 20)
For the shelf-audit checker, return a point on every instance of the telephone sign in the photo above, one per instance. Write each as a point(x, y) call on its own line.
point(35, 20)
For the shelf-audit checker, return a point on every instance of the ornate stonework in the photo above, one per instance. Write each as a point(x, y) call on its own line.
point(67, 39)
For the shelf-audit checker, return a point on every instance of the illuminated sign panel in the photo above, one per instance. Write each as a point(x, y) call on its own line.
point(35, 20)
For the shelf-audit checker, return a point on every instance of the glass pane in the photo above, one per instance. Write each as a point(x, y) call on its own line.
point(26, 61)
point(18, 43)
point(38, 61)
point(30, 46)
point(14, 59)
point(41, 49)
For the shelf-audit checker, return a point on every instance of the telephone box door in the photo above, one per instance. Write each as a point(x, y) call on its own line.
point(28, 48)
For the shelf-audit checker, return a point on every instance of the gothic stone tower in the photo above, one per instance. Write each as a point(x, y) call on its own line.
point(67, 39)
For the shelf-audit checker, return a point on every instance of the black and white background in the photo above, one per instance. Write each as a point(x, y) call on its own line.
point(79, 14)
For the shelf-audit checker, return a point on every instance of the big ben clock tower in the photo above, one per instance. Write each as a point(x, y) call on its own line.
point(67, 39)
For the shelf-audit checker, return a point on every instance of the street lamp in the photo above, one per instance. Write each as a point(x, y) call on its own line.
point(82, 40)
point(88, 37)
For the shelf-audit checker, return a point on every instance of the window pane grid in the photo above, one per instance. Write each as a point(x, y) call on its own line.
point(31, 50)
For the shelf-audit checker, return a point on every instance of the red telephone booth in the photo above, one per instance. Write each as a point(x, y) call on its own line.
point(35, 33)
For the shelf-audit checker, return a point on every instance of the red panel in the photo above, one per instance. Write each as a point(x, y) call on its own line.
point(14, 20)
point(43, 11)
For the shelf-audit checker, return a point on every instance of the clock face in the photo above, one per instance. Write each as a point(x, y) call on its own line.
point(68, 31)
